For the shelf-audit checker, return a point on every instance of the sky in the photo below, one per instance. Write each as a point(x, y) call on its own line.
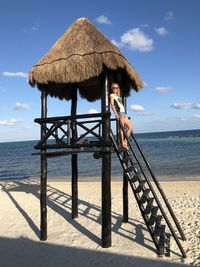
point(160, 39)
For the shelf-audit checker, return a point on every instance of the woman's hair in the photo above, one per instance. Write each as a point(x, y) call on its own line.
point(117, 85)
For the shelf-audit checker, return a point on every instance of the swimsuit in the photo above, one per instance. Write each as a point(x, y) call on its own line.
point(122, 115)
point(119, 106)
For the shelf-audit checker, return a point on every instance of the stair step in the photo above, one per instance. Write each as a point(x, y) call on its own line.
point(135, 178)
point(162, 240)
point(158, 220)
point(130, 169)
point(162, 231)
point(153, 215)
point(149, 205)
point(161, 245)
point(121, 149)
point(157, 229)
point(127, 158)
point(144, 197)
point(167, 245)
point(140, 186)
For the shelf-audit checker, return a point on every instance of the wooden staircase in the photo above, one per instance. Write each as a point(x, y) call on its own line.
point(153, 213)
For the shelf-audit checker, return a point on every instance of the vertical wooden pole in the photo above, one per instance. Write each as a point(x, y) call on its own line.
point(74, 159)
point(106, 169)
point(125, 181)
point(43, 176)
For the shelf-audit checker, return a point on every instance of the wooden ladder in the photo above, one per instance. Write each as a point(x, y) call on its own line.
point(147, 199)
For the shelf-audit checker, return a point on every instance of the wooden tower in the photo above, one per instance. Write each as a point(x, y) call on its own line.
point(83, 61)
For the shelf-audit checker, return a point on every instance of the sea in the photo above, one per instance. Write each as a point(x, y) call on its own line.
point(173, 155)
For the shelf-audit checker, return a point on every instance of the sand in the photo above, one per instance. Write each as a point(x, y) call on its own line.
point(78, 242)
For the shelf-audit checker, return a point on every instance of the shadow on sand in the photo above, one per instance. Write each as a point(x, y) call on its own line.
point(23, 252)
point(60, 202)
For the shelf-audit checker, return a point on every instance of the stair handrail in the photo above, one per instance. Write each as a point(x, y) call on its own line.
point(155, 195)
point(159, 188)
point(127, 174)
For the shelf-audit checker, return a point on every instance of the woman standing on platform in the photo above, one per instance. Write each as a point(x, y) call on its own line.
point(119, 111)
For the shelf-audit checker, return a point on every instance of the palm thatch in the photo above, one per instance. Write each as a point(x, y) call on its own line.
point(78, 59)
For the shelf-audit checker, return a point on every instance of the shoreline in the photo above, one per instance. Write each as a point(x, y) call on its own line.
point(87, 179)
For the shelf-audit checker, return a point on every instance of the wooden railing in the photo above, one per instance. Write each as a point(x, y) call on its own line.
point(59, 130)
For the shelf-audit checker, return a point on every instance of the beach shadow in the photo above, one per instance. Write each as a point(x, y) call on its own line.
point(60, 202)
point(11, 187)
point(53, 201)
point(139, 236)
point(25, 252)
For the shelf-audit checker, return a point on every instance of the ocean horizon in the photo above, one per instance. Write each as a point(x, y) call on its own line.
point(182, 132)
point(173, 155)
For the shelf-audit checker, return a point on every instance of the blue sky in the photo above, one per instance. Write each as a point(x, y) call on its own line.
point(160, 38)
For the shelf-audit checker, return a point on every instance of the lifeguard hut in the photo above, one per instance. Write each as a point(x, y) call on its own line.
point(85, 61)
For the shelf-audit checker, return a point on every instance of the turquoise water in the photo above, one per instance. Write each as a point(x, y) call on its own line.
point(171, 154)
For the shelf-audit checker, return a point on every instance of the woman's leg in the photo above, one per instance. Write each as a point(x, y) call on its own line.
point(123, 139)
point(121, 131)
point(127, 122)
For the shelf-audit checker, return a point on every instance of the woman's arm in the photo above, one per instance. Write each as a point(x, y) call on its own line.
point(113, 107)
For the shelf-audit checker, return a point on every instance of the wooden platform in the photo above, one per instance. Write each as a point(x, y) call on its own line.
point(71, 151)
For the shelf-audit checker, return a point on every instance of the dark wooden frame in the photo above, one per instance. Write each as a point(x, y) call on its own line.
point(103, 145)
point(43, 176)
point(74, 158)
point(57, 123)
point(106, 167)
point(125, 181)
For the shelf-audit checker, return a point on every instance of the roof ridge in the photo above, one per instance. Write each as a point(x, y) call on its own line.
point(76, 54)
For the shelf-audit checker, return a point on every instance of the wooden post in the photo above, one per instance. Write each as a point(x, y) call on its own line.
point(74, 159)
point(125, 181)
point(106, 168)
point(43, 177)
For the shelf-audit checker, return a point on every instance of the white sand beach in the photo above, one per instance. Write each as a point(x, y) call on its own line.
point(78, 242)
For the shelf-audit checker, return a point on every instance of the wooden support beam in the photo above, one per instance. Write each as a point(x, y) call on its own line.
point(106, 169)
point(43, 177)
point(65, 118)
point(74, 159)
point(125, 181)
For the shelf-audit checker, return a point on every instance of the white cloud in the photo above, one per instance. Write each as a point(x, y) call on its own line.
point(144, 25)
point(182, 105)
point(166, 124)
point(137, 108)
point(137, 40)
point(114, 42)
point(146, 114)
point(21, 106)
point(15, 74)
point(196, 106)
point(34, 28)
point(186, 105)
point(92, 110)
point(197, 116)
point(169, 15)
point(184, 119)
point(145, 84)
point(163, 89)
point(117, 44)
point(161, 31)
point(11, 122)
point(103, 20)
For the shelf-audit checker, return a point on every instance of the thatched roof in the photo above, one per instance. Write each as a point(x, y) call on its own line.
point(78, 59)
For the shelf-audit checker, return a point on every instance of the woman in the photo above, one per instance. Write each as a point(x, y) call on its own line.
point(119, 111)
